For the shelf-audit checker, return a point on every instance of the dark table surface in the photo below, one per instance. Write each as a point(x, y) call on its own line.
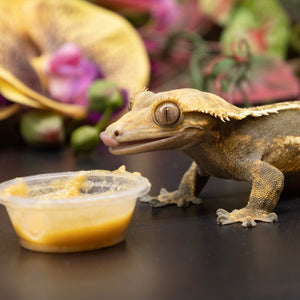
point(169, 253)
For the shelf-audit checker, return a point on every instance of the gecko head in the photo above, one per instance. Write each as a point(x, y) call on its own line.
point(156, 122)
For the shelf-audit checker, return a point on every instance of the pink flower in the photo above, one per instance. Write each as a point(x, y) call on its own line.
point(69, 75)
point(165, 13)
point(270, 80)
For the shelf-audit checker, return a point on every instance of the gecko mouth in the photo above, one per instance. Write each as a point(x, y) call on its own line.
point(139, 146)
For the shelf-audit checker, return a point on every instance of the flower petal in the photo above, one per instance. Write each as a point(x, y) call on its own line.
point(38, 28)
point(103, 36)
point(7, 111)
point(19, 81)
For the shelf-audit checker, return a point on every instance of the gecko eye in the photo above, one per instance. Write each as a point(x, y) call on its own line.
point(167, 114)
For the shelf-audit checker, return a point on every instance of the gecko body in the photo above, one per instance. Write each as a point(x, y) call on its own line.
point(260, 145)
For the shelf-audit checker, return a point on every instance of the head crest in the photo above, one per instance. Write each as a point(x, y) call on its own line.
point(191, 100)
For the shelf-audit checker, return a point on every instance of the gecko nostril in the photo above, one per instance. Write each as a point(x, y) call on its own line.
point(116, 133)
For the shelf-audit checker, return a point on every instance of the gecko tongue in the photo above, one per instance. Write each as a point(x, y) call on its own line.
point(108, 141)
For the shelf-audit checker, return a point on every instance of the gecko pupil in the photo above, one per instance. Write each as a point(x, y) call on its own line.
point(167, 114)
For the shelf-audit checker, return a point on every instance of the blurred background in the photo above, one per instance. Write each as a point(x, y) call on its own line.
point(68, 68)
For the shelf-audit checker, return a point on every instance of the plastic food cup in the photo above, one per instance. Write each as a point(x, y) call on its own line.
point(72, 211)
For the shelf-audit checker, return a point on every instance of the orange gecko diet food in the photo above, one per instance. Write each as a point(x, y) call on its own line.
point(72, 211)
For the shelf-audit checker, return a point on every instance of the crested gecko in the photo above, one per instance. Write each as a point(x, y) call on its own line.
point(259, 145)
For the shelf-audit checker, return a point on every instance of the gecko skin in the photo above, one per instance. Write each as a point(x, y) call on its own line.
point(259, 145)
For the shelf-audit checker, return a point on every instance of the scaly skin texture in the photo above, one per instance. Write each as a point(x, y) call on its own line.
point(259, 145)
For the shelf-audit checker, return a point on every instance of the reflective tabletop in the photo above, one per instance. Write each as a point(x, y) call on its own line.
point(168, 253)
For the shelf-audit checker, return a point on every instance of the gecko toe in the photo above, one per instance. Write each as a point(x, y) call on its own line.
point(222, 211)
point(224, 217)
point(197, 201)
point(249, 223)
point(270, 218)
point(146, 198)
point(152, 200)
point(163, 192)
point(156, 203)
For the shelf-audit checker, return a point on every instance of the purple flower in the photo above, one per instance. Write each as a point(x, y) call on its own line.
point(69, 75)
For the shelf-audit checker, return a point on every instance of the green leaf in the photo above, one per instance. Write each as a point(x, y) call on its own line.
point(218, 10)
point(263, 24)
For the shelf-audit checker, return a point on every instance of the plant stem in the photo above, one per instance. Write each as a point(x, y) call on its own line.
point(105, 117)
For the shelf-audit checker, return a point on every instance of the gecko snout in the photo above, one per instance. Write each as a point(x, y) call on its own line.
point(117, 132)
point(114, 131)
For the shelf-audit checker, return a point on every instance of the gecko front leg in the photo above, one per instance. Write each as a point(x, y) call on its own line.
point(267, 184)
point(189, 188)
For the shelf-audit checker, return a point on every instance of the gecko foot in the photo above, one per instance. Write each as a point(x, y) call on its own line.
point(166, 198)
point(246, 216)
point(154, 202)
